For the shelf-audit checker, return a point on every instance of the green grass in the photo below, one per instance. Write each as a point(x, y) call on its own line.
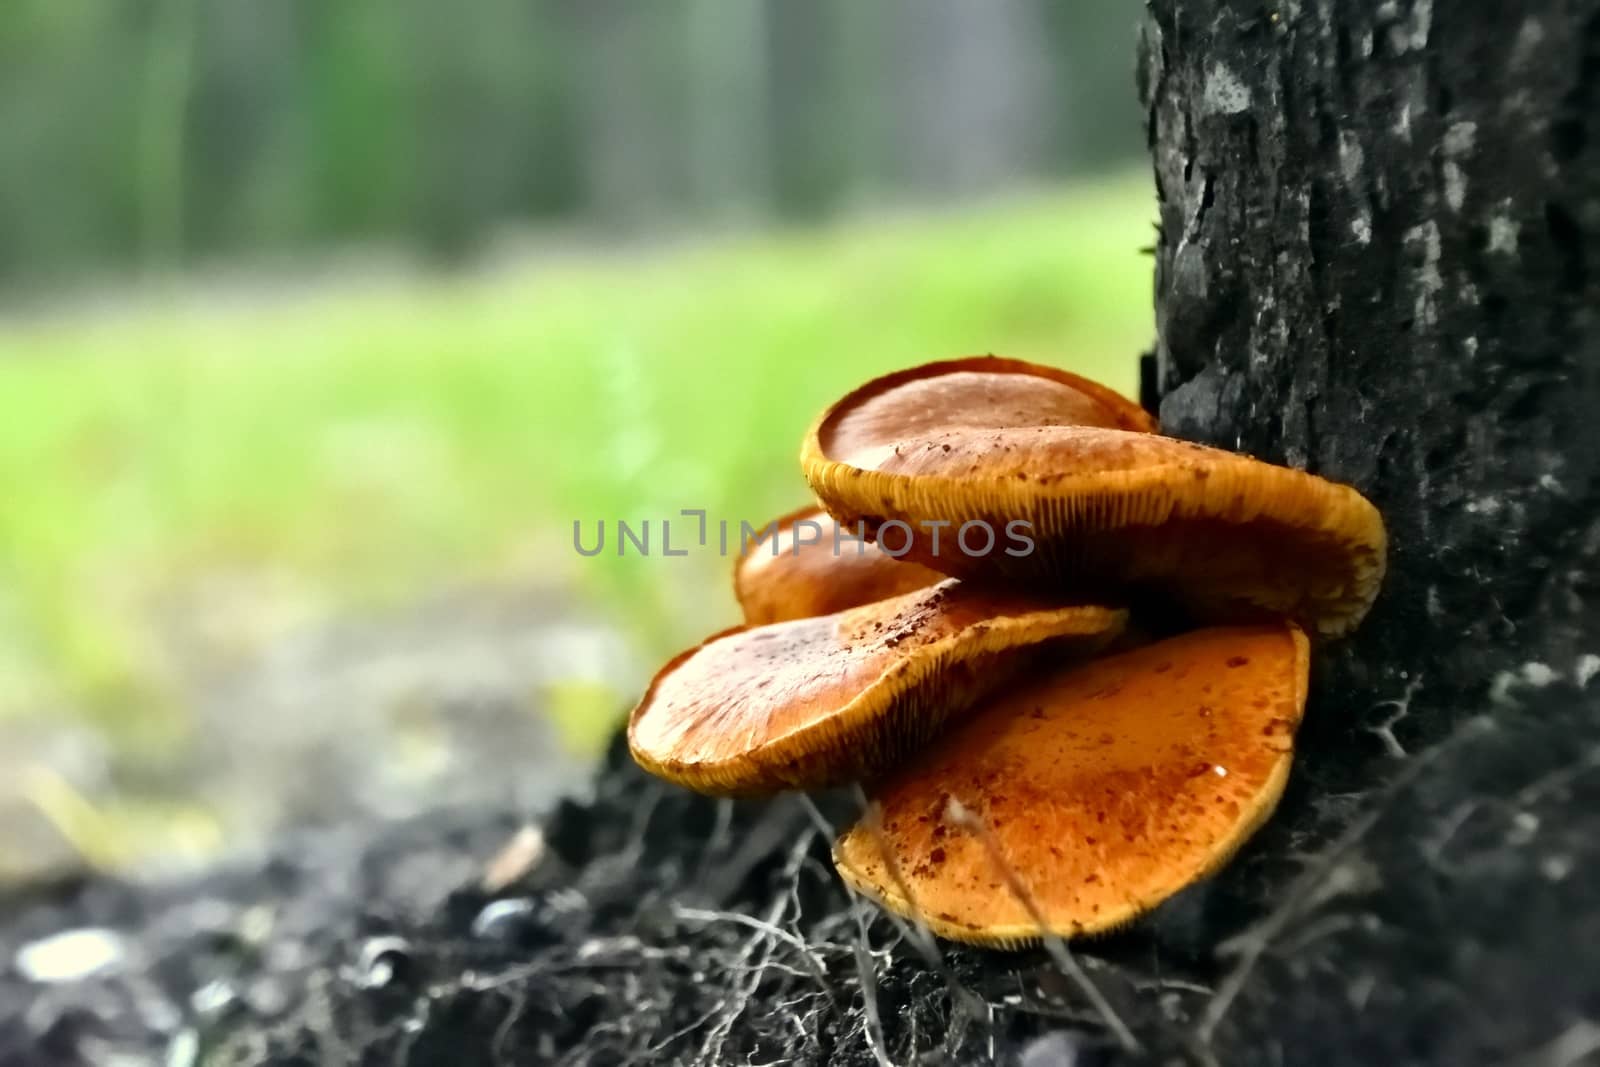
point(379, 439)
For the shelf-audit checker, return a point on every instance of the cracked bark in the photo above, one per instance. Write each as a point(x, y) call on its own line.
point(1380, 236)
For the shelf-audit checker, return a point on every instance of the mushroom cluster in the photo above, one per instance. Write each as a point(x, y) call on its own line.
point(952, 629)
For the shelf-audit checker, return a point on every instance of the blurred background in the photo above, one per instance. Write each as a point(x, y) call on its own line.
point(323, 321)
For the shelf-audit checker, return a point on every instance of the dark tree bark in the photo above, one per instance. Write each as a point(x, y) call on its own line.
point(1379, 259)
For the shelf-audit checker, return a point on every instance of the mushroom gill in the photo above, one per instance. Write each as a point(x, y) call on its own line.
point(833, 698)
point(1089, 509)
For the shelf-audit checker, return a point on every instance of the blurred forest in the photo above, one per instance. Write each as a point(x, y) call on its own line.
point(321, 321)
point(149, 133)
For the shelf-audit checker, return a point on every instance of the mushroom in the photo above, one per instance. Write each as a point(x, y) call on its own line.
point(1081, 796)
point(834, 698)
point(1088, 795)
point(938, 402)
point(787, 577)
point(1088, 508)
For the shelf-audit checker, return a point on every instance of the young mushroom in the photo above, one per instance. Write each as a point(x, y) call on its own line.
point(834, 698)
point(1089, 794)
point(810, 566)
point(1088, 507)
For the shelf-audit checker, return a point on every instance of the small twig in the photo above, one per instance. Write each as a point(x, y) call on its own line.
point(862, 951)
point(1053, 944)
point(705, 916)
point(1402, 707)
point(516, 1003)
point(922, 937)
point(869, 987)
point(711, 1048)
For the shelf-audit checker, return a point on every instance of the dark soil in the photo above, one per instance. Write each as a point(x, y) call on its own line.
point(661, 927)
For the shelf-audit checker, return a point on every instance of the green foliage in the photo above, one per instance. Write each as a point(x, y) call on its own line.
point(382, 437)
point(162, 133)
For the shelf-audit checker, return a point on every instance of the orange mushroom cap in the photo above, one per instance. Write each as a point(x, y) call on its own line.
point(787, 577)
point(1105, 787)
point(830, 699)
point(1231, 537)
point(977, 393)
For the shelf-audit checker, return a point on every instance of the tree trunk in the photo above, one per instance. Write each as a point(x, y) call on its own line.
point(1379, 235)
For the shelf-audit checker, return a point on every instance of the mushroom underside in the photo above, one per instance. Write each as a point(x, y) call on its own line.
point(826, 700)
point(1212, 570)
